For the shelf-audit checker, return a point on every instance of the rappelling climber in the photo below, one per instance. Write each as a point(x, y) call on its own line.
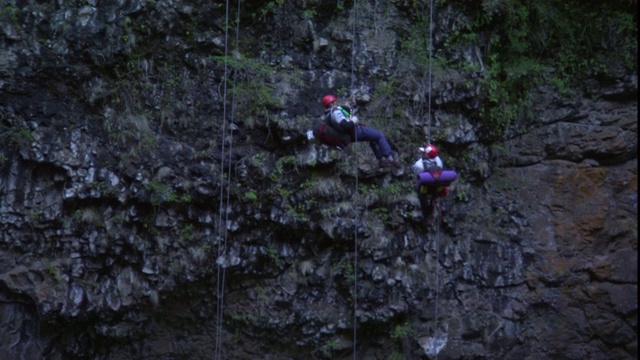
point(340, 119)
point(433, 183)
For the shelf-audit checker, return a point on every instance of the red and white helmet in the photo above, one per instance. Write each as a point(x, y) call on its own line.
point(328, 99)
point(430, 150)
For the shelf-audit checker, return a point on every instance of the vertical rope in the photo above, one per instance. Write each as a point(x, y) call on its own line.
point(220, 272)
point(357, 219)
point(229, 172)
point(438, 210)
point(430, 71)
point(223, 206)
point(436, 332)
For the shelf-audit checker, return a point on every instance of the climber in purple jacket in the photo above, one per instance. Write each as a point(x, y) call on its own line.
point(431, 162)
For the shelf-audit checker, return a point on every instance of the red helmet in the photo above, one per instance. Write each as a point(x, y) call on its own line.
point(328, 99)
point(431, 151)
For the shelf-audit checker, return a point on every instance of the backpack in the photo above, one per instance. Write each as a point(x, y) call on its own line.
point(329, 135)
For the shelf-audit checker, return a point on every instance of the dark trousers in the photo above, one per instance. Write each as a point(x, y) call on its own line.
point(376, 139)
point(428, 194)
point(427, 197)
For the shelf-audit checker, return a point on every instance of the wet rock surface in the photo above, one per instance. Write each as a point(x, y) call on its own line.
point(136, 221)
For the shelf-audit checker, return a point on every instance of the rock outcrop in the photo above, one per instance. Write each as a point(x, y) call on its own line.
point(149, 208)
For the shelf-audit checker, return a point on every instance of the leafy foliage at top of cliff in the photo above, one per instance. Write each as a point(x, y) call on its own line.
point(519, 44)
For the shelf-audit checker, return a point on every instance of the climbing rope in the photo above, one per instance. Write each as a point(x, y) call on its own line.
point(357, 220)
point(220, 269)
point(430, 71)
point(222, 234)
point(438, 212)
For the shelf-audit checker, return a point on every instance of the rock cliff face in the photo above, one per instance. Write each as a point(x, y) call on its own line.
point(159, 198)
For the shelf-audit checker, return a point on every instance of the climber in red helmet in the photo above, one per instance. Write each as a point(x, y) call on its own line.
point(427, 194)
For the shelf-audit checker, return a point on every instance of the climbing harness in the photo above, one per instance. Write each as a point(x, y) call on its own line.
point(222, 234)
